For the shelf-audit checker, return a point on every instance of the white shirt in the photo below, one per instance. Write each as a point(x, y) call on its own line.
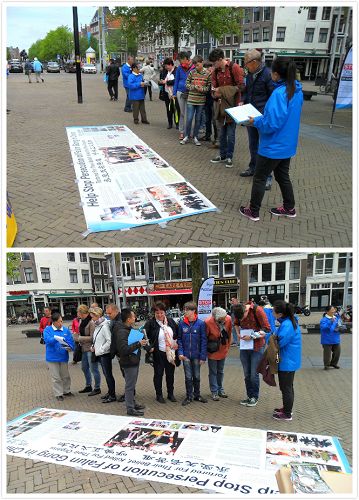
point(161, 338)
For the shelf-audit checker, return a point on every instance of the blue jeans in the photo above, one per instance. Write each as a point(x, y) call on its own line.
point(227, 140)
point(193, 110)
point(216, 374)
point(250, 359)
point(88, 368)
point(192, 377)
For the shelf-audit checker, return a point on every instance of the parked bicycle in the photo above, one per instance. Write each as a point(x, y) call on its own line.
point(329, 86)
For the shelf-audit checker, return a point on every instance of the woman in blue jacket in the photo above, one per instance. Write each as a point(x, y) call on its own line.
point(57, 356)
point(278, 131)
point(136, 86)
point(330, 338)
point(290, 353)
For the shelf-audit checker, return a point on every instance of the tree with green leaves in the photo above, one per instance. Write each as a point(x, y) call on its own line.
point(58, 41)
point(13, 261)
point(118, 40)
point(157, 22)
point(85, 44)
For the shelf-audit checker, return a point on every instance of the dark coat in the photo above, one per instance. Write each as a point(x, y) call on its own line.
point(153, 328)
point(113, 72)
point(259, 89)
point(125, 351)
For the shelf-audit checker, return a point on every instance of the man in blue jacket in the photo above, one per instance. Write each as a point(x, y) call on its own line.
point(136, 86)
point(180, 91)
point(330, 338)
point(37, 68)
point(126, 71)
point(57, 356)
point(192, 350)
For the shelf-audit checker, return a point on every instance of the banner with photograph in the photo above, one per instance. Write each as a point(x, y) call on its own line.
point(205, 297)
point(223, 459)
point(123, 183)
point(344, 97)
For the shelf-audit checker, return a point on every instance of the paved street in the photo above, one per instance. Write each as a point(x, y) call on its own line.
point(46, 199)
point(323, 405)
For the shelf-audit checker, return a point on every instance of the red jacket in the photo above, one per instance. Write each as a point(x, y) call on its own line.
point(222, 78)
point(44, 322)
point(213, 333)
point(251, 323)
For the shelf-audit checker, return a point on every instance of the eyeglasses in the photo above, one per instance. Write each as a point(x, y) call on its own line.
point(251, 60)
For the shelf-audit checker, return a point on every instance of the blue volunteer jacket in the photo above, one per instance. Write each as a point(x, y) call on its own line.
point(192, 339)
point(328, 335)
point(54, 352)
point(290, 346)
point(126, 71)
point(136, 92)
point(180, 79)
point(271, 318)
point(279, 126)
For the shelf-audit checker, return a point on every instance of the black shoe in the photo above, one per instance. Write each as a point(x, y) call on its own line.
point(121, 399)
point(88, 388)
point(105, 396)
point(136, 122)
point(160, 399)
point(95, 392)
point(146, 122)
point(169, 126)
point(59, 398)
point(247, 173)
point(172, 398)
point(139, 407)
point(335, 366)
point(111, 98)
point(135, 413)
point(200, 399)
point(68, 393)
point(186, 402)
point(109, 399)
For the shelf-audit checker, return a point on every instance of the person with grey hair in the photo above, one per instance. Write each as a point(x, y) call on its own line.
point(149, 73)
point(259, 87)
point(219, 337)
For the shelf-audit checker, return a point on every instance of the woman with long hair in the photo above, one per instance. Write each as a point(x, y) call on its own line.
point(290, 352)
point(278, 129)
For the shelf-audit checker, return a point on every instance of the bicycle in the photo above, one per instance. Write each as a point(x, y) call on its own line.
point(329, 86)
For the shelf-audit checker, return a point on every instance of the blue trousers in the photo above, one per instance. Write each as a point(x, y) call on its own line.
point(250, 359)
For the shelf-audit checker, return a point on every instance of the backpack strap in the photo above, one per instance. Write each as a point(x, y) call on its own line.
point(256, 317)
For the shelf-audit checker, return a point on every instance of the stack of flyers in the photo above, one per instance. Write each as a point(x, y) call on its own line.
point(306, 478)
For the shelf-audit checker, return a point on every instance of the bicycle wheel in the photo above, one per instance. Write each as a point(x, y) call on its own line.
point(322, 88)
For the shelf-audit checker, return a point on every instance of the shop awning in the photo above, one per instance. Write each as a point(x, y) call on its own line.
point(67, 295)
point(14, 298)
point(172, 292)
point(302, 54)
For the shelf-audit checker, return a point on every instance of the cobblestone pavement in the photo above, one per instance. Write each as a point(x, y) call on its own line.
point(46, 199)
point(323, 405)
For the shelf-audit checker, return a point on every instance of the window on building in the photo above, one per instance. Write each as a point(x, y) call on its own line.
point(247, 16)
point(73, 275)
point(266, 13)
point(188, 269)
point(246, 37)
point(294, 287)
point(326, 13)
point(323, 35)
point(85, 276)
point(266, 272)
point(309, 35)
point(280, 271)
point(83, 257)
point(17, 279)
point(25, 256)
point(252, 290)
point(253, 273)
point(221, 41)
point(29, 275)
point(97, 284)
point(312, 13)
point(235, 39)
point(45, 274)
point(96, 267)
point(176, 270)
point(126, 267)
point(228, 40)
point(104, 267)
point(229, 269)
point(256, 14)
point(265, 35)
point(323, 263)
point(261, 290)
point(294, 270)
point(107, 286)
point(256, 35)
point(342, 262)
point(280, 34)
point(205, 36)
point(228, 54)
point(213, 267)
point(71, 257)
point(140, 266)
point(159, 271)
point(205, 53)
point(280, 288)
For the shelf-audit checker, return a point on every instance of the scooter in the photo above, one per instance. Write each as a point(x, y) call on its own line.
point(302, 310)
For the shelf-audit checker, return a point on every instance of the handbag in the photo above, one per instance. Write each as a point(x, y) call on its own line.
point(42, 341)
point(149, 358)
point(77, 353)
point(213, 346)
point(94, 358)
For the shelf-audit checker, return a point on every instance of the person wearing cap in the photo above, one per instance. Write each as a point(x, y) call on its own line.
point(38, 68)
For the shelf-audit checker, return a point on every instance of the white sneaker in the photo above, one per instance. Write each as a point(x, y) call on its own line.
point(229, 163)
point(196, 142)
point(184, 140)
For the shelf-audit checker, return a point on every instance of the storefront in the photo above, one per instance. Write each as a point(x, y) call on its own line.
point(272, 292)
point(173, 294)
point(67, 303)
point(224, 290)
point(136, 295)
point(18, 303)
point(325, 294)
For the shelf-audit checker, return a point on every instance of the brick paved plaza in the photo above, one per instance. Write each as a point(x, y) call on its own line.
point(323, 405)
point(46, 199)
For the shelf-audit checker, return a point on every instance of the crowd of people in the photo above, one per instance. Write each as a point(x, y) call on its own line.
point(100, 336)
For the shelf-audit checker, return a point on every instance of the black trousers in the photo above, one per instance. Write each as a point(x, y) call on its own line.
point(286, 380)
point(280, 168)
point(160, 366)
point(106, 363)
point(331, 354)
point(112, 87)
point(149, 87)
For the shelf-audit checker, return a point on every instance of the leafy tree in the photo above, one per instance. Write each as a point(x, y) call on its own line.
point(8, 54)
point(37, 50)
point(118, 40)
point(58, 41)
point(156, 22)
point(85, 44)
point(13, 261)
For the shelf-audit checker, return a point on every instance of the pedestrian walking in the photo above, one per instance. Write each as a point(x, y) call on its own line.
point(126, 71)
point(330, 337)
point(113, 73)
point(38, 68)
point(219, 336)
point(28, 69)
point(148, 72)
point(137, 94)
point(290, 354)
point(180, 92)
point(278, 132)
point(85, 338)
point(57, 356)
point(259, 88)
point(162, 333)
point(192, 350)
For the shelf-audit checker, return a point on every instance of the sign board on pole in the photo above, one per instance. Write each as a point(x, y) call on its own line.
point(205, 298)
point(345, 87)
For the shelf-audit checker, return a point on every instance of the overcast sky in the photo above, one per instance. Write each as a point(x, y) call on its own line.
point(25, 25)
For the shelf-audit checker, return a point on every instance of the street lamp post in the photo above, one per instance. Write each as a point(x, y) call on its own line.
point(77, 55)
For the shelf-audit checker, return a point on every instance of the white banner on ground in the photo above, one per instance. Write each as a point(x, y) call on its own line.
point(123, 183)
point(345, 88)
point(216, 458)
point(205, 298)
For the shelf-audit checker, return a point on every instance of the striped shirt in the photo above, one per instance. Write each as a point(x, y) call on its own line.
point(198, 84)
